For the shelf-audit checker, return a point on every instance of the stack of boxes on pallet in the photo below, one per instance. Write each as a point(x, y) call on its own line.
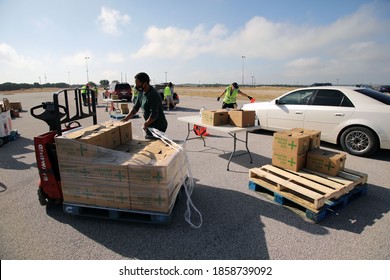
point(237, 118)
point(103, 166)
point(300, 148)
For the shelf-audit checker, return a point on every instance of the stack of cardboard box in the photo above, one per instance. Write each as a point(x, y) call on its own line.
point(289, 149)
point(134, 175)
point(300, 148)
point(238, 118)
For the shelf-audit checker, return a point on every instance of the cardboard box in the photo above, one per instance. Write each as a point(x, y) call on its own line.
point(112, 196)
point(291, 142)
point(125, 111)
point(16, 105)
point(97, 139)
point(113, 136)
point(124, 106)
point(242, 118)
point(288, 161)
point(125, 130)
point(315, 136)
point(326, 162)
point(215, 118)
point(79, 192)
point(83, 131)
point(146, 173)
point(156, 198)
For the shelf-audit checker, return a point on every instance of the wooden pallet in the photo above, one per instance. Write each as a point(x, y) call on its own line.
point(315, 215)
point(120, 214)
point(309, 188)
point(117, 214)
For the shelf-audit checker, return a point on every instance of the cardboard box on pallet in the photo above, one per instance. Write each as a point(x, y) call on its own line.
point(78, 192)
point(215, 118)
point(113, 136)
point(291, 142)
point(158, 198)
point(156, 163)
point(151, 168)
point(125, 130)
point(241, 118)
point(326, 162)
point(96, 139)
point(315, 136)
point(288, 161)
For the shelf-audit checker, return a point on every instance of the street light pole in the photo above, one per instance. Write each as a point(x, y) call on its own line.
point(69, 77)
point(86, 65)
point(243, 57)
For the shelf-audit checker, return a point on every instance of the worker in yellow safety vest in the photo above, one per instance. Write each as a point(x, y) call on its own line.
point(168, 96)
point(84, 91)
point(135, 94)
point(230, 99)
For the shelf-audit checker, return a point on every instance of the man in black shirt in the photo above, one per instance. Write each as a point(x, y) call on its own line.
point(150, 102)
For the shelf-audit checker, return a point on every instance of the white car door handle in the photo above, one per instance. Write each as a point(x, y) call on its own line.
point(298, 112)
point(339, 114)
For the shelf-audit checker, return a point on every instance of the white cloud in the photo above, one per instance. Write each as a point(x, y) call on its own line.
point(115, 58)
point(10, 57)
point(260, 38)
point(173, 42)
point(110, 20)
point(77, 59)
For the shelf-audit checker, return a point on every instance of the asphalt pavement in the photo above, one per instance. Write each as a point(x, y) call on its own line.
point(237, 223)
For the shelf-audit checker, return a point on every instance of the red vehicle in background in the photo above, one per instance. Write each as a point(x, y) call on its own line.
point(121, 90)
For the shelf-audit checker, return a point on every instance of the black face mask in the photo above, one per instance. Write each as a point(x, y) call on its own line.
point(141, 88)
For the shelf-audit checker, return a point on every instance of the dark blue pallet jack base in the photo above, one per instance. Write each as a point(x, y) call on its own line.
point(314, 215)
point(12, 137)
point(117, 214)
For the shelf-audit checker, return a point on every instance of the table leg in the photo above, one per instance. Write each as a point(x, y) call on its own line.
point(234, 150)
point(188, 131)
point(188, 134)
point(246, 146)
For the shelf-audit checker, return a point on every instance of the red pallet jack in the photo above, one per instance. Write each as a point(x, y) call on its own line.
point(58, 117)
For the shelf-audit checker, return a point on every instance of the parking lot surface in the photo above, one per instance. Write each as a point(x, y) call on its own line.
point(237, 223)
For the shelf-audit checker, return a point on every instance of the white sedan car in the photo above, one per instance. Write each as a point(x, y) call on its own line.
point(358, 119)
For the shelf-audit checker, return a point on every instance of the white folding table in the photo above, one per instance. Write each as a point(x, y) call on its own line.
point(229, 129)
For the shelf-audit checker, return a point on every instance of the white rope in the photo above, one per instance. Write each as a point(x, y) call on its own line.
point(189, 183)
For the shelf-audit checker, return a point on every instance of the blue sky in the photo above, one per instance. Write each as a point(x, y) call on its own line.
point(345, 42)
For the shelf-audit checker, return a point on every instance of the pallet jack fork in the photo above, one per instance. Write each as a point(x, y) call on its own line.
point(59, 120)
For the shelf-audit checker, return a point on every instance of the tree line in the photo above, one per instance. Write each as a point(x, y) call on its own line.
point(18, 86)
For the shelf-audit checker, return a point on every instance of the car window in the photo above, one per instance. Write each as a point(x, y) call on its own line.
point(379, 96)
point(300, 97)
point(122, 87)
point(326, 97)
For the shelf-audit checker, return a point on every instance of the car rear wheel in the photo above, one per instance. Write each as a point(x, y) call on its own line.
point(359, 141)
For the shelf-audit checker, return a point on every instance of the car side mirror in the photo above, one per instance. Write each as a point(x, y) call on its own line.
point(277, 101)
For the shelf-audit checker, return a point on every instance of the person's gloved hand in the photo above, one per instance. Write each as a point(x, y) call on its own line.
point(218, 98)
point(249, 97)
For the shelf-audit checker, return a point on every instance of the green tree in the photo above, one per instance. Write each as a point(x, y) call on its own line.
point(104, 83)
